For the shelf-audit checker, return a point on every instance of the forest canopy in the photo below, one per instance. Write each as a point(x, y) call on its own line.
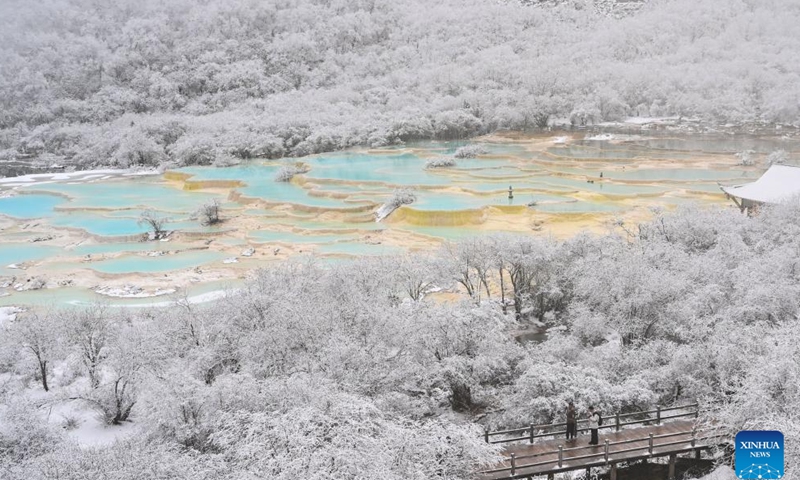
point(140, 83)
point(359, 370)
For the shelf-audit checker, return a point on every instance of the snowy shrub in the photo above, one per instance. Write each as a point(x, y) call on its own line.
point(287, 172)
point(401, 196)
point(113, 401)
point(746, 158)
point(137, 148)
point(441, 162)
point(24, 435)
point(244, 144)
point(71, 422)
point(455, 124)
point(208, 213)
point(777, 157)
point(155, 222)
point(356, 437)
point(194, 149)
point(128, 459)
point(225, 159)
point(585, 114)
point(470, 151)
point(589, 327)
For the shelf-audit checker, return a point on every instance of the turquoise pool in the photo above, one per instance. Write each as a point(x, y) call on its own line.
point(163, 263)
point(30, 205)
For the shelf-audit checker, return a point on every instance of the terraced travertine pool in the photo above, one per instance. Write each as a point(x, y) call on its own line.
point(80, 233)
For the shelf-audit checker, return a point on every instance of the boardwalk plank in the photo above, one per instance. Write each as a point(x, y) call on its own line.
point(547, 450)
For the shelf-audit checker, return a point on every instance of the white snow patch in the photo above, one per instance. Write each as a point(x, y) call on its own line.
point(616, 137)
point(84, 175)
point(603, 137)
point(560, 140)
point(141, 173)
point(648, 120)
point(720, 473)
point(201, 298)
point(132, 291)
point(90, 430)
point(9, 314)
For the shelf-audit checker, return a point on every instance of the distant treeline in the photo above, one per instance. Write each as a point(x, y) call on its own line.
point(146, 82)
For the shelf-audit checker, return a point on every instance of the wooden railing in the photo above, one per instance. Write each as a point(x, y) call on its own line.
point(604, 456)
point(530, 434)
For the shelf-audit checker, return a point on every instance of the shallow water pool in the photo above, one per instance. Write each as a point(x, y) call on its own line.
point(30, 205)
point(163, 263)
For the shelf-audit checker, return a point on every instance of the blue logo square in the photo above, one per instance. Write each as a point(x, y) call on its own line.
point(759, 454)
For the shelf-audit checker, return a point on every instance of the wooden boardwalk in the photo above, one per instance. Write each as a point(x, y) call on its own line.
point(548, 457)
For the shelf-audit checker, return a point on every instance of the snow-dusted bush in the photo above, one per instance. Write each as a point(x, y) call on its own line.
point(777, 157)
point(746, 158)
point(155, 222)
point(194, 149)
point(24, 435)
point(302, 409)
point(208, 213)
point(401, 196)
point(440, 162)
point(287, 172)
point(225, 159)
point(585, 114)
point(137, 148)
point(246, 143)
point(470, 151)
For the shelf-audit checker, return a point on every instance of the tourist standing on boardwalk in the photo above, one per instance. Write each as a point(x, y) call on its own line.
point(594, 424)
point(572, 422)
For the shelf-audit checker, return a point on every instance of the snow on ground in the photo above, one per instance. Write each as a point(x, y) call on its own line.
point(140, 173)
point(84, 425)
point(721, 473)
point(648, 120)
point(601, 138)
point(195, 299)
point(83, 175)
point(560, 139)
point(202, 298)
point(9, 314)
point(132, 291)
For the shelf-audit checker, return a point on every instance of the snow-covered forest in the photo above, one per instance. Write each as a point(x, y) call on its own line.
point(93, 82)
point(390, 367)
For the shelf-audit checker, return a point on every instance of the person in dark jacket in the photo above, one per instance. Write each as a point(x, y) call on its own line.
point(572, 422)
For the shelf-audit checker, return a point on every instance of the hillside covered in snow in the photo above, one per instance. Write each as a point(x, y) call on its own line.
point(122, 83)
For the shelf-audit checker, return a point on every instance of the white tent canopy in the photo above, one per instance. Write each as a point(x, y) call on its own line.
point(778, 184)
